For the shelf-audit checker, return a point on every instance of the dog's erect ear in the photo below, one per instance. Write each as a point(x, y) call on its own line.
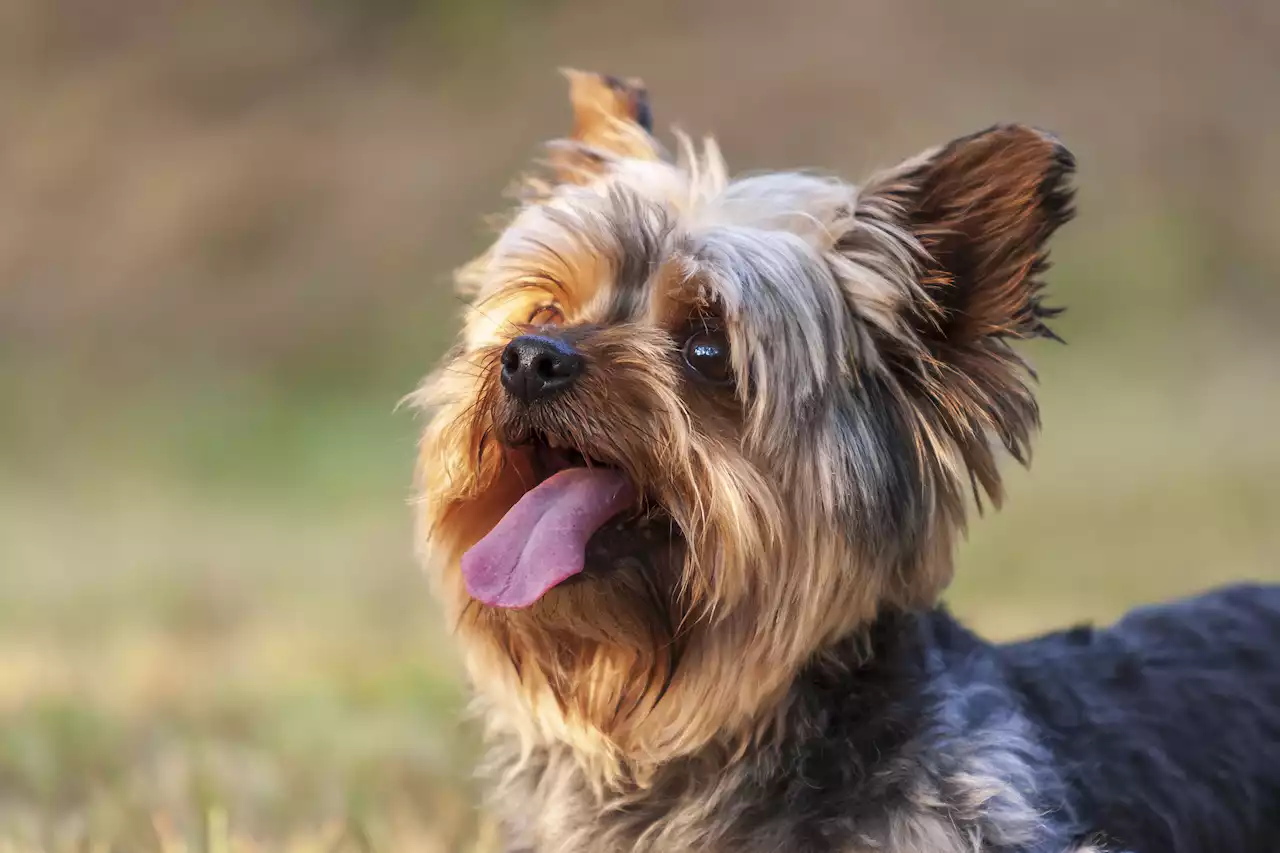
point(982, 208)
point(600, 101)
point(611, 123)
point(611, 120)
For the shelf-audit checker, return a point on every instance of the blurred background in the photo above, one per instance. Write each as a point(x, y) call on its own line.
point(226, 231)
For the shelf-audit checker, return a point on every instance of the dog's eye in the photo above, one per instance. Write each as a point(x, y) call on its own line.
point(707, 354)
point(544, 315)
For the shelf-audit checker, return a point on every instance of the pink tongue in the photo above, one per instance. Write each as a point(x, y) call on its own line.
point(543, 538)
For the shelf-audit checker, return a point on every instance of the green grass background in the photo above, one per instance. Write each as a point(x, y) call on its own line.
point(224, 239)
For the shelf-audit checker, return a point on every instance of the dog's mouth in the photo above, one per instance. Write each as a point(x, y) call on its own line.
point(548, 456)
point(579, 513)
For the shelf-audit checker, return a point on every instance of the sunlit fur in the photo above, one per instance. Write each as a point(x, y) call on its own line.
point(793, 515)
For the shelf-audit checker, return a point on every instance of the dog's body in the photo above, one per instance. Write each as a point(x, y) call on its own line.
point(694, 479)
point(1157, 734)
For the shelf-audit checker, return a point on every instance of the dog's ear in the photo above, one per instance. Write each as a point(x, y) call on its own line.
point(982, 208)
point(611, 120)
point(611, 123)
point(601, 103)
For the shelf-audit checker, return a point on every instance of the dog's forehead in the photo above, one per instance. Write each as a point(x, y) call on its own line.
point(652, 243)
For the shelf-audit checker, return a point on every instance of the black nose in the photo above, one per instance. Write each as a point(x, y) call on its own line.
point(535, 367)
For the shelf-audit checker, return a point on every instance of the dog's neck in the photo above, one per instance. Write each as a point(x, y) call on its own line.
point(874, 741)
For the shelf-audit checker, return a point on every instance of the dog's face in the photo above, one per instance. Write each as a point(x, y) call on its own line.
point(698, 428)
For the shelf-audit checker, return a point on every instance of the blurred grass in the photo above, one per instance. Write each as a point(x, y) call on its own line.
point(209, 607)
point(223, 242)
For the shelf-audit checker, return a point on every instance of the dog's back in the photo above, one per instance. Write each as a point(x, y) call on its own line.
point(1167, 724)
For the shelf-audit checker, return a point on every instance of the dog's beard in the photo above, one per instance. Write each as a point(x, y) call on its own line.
point(605, 639)
point(630, 653)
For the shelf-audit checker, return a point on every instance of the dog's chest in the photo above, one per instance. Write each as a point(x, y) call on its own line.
point(691, 831)
point(549, 810)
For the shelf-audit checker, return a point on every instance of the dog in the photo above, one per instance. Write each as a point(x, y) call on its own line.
point(690, 487)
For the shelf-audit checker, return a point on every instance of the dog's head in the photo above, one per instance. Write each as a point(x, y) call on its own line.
point(698, 428)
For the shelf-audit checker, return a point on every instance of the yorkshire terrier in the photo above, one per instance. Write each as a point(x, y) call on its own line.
point(691, 486)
